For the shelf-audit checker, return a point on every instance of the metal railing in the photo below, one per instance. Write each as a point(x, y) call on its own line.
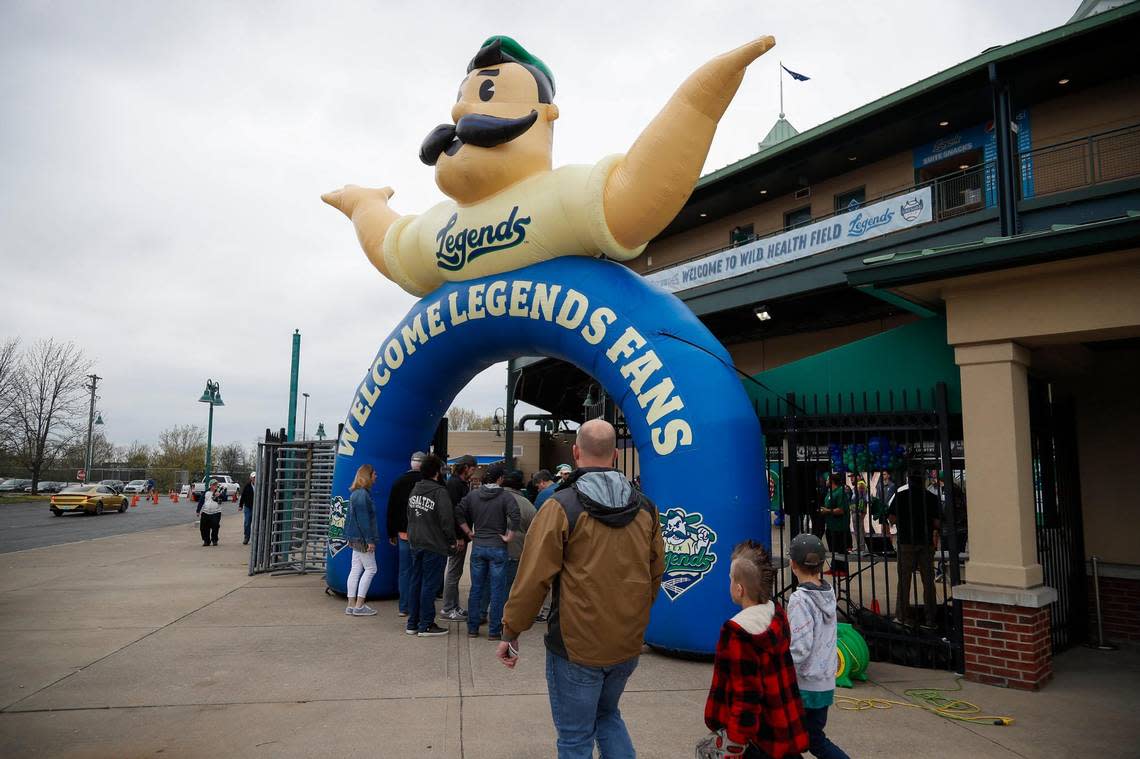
point(291, 507)
point(1083, 162)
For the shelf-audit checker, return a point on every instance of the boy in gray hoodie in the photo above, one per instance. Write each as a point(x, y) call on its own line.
point(811, 616)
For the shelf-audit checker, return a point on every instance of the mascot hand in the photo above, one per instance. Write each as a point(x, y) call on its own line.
point(351, 197)
point(370, 214)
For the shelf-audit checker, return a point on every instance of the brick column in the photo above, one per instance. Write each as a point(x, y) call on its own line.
point(1006, 635)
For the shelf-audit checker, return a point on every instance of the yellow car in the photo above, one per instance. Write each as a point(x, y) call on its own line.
point(90, 499)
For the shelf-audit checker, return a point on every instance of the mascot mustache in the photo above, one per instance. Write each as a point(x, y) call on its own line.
point(473, 129)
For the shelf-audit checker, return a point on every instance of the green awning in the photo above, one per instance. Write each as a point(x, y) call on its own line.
point(912, 358)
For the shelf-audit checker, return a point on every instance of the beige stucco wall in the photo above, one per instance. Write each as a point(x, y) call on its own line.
point(1097, 297)
point(1108, 444)
point(878, 178)
point(485, 443)
point(760, 355)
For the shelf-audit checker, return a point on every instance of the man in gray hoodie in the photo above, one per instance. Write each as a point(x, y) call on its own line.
point(811, 615)
point(492, 518)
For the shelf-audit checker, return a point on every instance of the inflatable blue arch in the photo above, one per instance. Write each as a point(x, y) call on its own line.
point(698, 440)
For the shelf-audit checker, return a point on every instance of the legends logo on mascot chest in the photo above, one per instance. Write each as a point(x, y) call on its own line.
point(457, 248)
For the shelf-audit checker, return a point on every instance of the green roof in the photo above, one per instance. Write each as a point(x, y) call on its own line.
point(780, 131)
point(971, 66)
point(990, 253)
point(910, 358)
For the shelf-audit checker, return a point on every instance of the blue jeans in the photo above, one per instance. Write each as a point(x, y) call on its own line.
point(247, 520)
point(509, 573)
point(816, 720)
point(487, 568)
point(427, 569)
point(584, 704)
point(405, 574)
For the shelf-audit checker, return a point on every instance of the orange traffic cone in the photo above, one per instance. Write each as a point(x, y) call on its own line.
point(156, 498)
point(174, 497)
point(134, 500)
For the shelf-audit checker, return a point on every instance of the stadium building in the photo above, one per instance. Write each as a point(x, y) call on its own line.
point(950, 276)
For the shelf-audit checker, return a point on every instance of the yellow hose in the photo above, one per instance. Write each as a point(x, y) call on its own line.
point(931, 700)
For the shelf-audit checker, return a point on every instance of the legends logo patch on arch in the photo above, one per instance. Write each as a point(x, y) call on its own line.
point(688, 554)
point(338, 513)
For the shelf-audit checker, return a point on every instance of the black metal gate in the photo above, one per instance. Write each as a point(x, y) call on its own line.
point(872, 441)
point(878, 438)
point(1057, 501)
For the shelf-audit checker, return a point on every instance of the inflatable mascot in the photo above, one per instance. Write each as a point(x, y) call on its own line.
point(513, 264)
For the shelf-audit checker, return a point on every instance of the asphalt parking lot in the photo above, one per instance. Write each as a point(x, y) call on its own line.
point(31, 525)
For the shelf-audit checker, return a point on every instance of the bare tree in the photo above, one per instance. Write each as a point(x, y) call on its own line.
point(182, 446)
point(47, 402)
point(459, 419)
point(9, 364)
point(231, 459)
point(137, 454)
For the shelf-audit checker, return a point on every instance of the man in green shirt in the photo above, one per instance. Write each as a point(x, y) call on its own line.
point(837, 524)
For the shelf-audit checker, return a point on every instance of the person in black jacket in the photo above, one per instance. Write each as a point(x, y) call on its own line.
point(431, 537)
point(915, 511)
point(398, 524)
point(245, 506)
point(457, 487)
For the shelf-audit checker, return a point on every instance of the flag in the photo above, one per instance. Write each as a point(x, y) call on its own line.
point(797, 77)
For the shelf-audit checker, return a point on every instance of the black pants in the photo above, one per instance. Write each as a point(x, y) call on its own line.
point(209, 524)
point(922, 559)
point(820, 747)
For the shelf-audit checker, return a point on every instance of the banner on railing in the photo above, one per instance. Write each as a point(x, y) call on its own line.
point(874, 220)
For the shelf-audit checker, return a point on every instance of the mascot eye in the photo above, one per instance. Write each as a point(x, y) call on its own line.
point(487, 90)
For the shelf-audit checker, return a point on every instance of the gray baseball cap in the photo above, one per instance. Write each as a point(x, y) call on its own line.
point(806, 550)
point(418, 456)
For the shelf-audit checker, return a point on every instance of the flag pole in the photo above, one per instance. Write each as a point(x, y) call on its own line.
point(781, 89)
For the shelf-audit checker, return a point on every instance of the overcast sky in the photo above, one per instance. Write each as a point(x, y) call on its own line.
point(161, 162)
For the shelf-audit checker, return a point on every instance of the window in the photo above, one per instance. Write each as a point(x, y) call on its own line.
point(740, 235)
point(850, 200)
point(797, 218)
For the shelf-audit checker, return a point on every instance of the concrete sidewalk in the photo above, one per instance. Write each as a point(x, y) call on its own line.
point(149, 645)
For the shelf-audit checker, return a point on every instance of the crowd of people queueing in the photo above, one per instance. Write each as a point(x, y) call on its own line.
point(540, 560)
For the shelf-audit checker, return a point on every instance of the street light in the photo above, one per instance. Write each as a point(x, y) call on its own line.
point(213, 396)
point(305, 417)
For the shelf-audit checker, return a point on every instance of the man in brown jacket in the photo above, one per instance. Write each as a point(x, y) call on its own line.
point(597, 543)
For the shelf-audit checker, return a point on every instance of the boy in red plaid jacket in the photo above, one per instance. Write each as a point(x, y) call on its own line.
point(754, 707)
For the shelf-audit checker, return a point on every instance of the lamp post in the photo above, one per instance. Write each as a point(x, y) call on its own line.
point(213, 396)
point(90, 425)
point(305, 418)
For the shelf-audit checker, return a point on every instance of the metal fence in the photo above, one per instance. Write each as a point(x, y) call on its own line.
point(1104, 157)
point(874, 439)
point(291, 507)
point(1057, 506)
